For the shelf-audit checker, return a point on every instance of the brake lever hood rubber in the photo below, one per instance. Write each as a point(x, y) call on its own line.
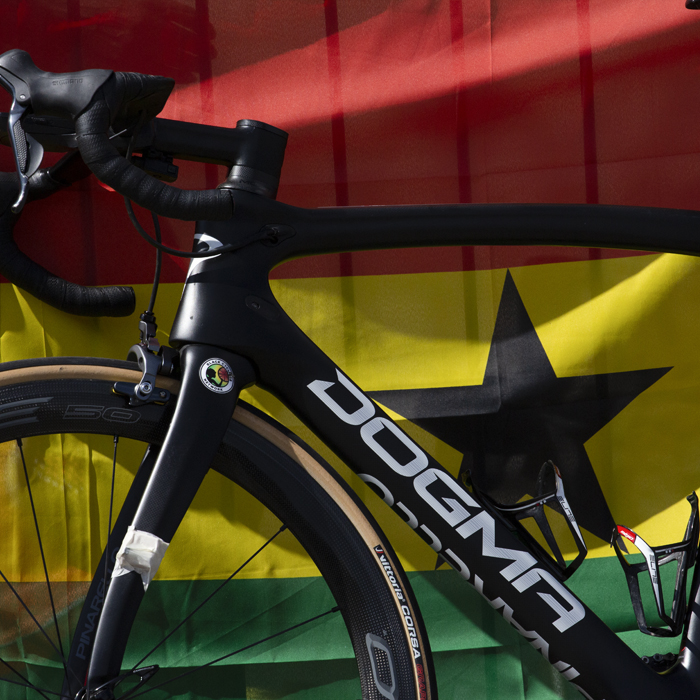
point(57, 94)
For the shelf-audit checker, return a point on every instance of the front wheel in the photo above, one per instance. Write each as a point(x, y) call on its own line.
point(269, 590)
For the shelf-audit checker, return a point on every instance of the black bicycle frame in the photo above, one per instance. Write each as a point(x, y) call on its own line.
point(228, 303)
point(228, 312)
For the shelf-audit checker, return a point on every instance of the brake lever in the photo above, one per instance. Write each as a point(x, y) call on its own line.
point(28, 152)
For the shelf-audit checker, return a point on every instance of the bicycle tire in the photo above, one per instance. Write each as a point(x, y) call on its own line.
point(59, 396)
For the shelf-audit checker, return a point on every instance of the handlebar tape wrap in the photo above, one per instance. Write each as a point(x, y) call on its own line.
point(57, 292)
point(110, 167)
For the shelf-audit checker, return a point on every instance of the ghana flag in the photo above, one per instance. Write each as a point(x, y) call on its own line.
point(493, 359)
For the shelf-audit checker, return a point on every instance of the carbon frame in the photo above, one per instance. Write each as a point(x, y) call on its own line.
point(227, 303)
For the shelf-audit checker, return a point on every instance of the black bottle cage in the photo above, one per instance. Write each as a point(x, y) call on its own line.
point(683, 553)
point(534, 508)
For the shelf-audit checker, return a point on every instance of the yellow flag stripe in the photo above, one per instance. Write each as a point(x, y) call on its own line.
point(434, 330)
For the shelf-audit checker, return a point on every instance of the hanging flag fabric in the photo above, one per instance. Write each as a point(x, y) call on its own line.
point(494, 359)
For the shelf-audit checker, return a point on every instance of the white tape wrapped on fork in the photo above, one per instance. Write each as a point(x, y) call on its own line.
point(141, 552)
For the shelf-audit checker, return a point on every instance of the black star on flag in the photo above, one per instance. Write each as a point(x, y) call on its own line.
point(523, 415)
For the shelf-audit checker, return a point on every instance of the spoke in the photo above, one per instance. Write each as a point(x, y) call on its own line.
point(211, 595)
point(59, 649)
point(111, 505)
point(25, 682)
point(233, 653)
point(41, 691)
point(107, 549)
point(29, 612)
point(43, 558)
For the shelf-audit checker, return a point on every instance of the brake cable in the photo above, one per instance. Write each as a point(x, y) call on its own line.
point(180, 253)
point(156, 223)
point(156, 243)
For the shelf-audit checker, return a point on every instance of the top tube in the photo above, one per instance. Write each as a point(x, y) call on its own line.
point(340, 229)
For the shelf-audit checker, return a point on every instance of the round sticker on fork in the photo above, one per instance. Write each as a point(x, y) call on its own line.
point(216, 375)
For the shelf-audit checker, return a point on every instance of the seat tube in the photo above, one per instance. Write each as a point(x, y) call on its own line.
point(212, 380)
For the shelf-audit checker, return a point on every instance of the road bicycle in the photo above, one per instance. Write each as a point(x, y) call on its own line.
point(172, 406)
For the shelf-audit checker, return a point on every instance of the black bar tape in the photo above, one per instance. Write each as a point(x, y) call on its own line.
point(110, 167)
point(130, 94)
point(39, 282)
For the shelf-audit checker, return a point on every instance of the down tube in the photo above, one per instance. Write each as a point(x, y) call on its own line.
point(455, 524)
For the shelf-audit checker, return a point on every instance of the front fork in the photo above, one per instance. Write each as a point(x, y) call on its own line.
point(212, 380)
